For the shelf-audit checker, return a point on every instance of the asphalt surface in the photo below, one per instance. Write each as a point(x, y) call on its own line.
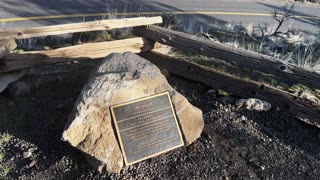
point(195, 13)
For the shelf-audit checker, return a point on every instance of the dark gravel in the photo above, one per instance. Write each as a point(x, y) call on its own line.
point(235, 143)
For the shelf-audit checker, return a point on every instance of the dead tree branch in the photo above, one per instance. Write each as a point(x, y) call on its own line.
point(282, 17)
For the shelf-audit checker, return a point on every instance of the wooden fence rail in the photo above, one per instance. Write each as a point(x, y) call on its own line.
point(78, 27)
point(189, 43)
point(15, 61)
point(213, 78)
point(182, 41)
point(236, 85)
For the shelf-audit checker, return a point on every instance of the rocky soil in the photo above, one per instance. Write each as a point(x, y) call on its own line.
point(235, 144)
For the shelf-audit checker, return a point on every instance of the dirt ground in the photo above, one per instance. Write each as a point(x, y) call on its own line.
point(235, 143)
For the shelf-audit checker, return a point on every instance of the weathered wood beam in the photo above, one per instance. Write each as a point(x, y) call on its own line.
point(6, 46)
point(15, 61)
point(73, 79)
point(78, 27)
point(236, 85)
point(238, 57)
point(7, 78)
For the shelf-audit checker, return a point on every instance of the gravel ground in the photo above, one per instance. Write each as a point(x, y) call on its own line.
point(235, 143)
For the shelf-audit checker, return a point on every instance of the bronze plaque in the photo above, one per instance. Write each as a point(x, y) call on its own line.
point(146, 127)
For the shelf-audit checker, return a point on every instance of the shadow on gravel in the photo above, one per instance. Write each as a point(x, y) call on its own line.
point(262, 145)
point(249, 144)
point(273, 124)
point(288, 130)
point(36, 117)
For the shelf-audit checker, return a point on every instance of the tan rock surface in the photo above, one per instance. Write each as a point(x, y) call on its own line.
point(120, 78)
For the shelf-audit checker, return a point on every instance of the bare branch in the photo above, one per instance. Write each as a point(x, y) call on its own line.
point(282, 17)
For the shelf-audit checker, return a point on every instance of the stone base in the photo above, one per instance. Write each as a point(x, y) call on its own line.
point(121, 78)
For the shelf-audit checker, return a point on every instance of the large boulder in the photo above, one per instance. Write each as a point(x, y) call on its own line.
point(121, 78)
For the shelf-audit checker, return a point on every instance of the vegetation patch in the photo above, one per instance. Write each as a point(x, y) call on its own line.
point(4, 137)
point(5, 168)
point(284, 43)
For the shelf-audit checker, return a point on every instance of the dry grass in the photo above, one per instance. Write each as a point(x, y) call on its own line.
point(5, 168)
point(304, 1)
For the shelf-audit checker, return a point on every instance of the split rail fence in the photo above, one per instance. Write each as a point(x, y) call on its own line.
point(144, 43)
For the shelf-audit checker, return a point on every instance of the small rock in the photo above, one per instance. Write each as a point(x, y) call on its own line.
point(33, 163)
point(27, 154)
point(31, 150)
point(308, 96)
point(253, 104)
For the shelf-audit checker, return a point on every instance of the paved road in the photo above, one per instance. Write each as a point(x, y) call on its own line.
point(196, 14)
